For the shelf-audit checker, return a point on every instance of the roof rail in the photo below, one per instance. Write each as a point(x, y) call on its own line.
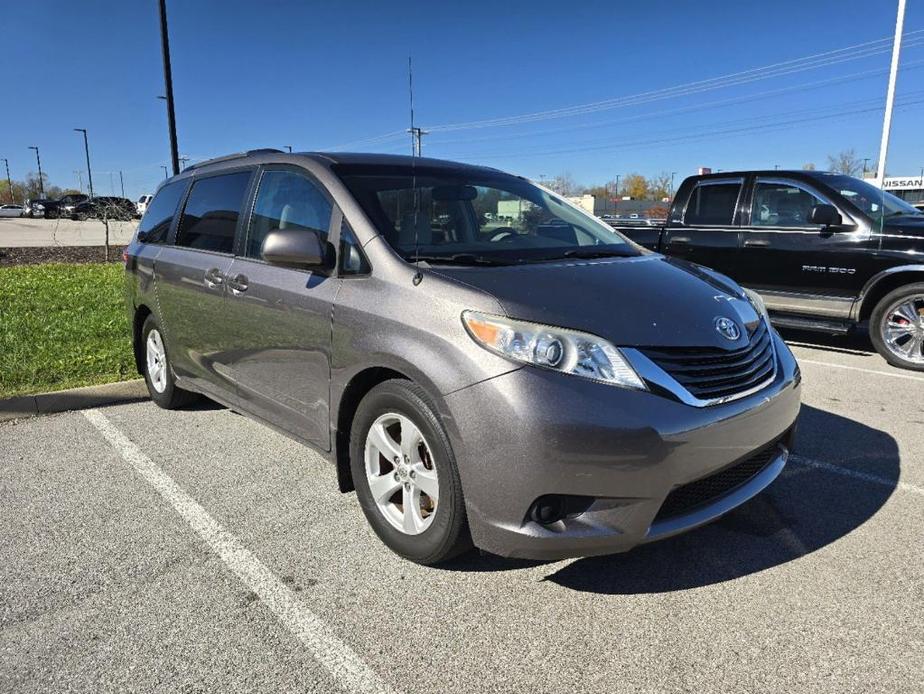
point(230, 157)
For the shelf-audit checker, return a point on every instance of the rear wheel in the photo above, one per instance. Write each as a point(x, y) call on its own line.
point(897, 327)
point(158, 374)
point(405, 474)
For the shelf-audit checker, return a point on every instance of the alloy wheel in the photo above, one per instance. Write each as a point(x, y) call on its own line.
point(903, 329)
point(401, 473)
point(157, 361)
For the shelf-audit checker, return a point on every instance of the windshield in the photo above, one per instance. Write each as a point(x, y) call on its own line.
point(875, 202)
point(471, 217)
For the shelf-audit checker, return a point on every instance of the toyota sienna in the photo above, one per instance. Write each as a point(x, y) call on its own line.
point(484, 362)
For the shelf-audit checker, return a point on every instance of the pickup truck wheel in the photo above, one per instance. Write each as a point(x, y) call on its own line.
point(405, 474)
point(897, 327)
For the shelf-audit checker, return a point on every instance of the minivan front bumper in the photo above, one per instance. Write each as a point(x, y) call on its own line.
point(532, 434)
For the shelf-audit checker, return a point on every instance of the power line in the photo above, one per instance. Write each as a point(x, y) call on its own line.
point(795, 65)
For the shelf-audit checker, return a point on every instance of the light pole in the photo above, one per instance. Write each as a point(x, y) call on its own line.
point(865, 162)
point(183, 161)
point(289, 147)
point(122, 182)
point(168, 87)
point(617, 185)
point(890, 93)
point(38, 161)
point(9, 181)
point(86, 148)
point(166, 176)
point(673, 173)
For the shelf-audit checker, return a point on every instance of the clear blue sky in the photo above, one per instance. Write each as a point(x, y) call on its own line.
point(259, 74)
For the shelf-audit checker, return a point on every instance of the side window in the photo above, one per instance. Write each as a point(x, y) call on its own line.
point(211, 212)
point(286, 200)
point(352, 260)
point(712, 204)
point(159, 214)
point(781, 205)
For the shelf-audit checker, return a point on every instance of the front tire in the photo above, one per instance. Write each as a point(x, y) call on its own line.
point(158, 373)
point(405, 474)
point(897, 327)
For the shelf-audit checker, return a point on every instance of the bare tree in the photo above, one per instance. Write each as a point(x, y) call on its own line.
point(659, 187)
point(564, 184)
point(107, 210)
point(845, 162)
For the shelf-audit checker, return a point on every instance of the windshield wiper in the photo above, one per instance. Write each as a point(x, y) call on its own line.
point(586, 254)
point(457, 259)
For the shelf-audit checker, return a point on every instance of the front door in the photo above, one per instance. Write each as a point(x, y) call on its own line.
point(279, 319)
point(706, 231)
point(191, 281)
point(796, 266)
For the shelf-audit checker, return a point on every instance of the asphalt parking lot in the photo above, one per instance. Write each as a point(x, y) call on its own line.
point(194, 551)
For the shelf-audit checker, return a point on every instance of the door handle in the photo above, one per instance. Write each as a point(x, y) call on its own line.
point(759, 243)
point(213, 278)
point(680, 240)
point(238, 284)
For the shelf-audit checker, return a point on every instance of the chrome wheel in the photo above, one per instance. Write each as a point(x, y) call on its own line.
point(401, 473)
point(903, 329)
point(156, 361)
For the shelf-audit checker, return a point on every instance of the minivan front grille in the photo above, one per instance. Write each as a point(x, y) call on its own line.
point(701, 492)
point(709, 373)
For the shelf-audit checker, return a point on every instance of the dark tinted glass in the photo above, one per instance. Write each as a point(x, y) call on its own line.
point(211, 213)
point(159, 215)
point(352, 260)
point(781, 205)
point(712, 204)
point(286, 200)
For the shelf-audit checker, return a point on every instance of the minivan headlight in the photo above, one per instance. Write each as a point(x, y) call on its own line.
point(757, 303)
point(559, 349)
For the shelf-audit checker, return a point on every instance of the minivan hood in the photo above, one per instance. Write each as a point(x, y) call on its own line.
point(642, 301)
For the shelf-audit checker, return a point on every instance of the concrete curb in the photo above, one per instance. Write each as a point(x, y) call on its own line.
point(73, 399)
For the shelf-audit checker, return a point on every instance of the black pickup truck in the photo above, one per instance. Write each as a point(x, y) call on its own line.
point(825, 251)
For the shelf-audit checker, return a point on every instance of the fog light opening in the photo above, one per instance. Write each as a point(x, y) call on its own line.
point(551, 508)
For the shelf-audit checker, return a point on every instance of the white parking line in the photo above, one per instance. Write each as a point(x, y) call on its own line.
point(856, 474)
point(908, 377)
point(339, 659)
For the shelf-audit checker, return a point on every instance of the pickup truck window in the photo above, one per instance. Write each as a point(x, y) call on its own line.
point(778, 204)
point(712, 203)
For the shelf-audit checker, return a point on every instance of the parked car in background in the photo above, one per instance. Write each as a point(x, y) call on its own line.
point(67, 203)
point(37, 207)
point(543, 389)
point(142, 205)
point(825, 251)
point(104, 206)
point(11, 210)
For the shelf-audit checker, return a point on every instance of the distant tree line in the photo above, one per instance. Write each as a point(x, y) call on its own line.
point(29, 189)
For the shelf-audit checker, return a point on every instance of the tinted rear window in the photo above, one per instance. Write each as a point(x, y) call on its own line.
point(159, 215)
point(712, 204)
point(211, 213)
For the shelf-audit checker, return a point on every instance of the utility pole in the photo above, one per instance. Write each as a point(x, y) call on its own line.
point(416, 136)
point(890, 94)
point(122, 182)
point(289, 147)
point(9, 181)
point(166, 175)
point(86, 148)
point(183, 161)
point(168, 87)
point(38, 161)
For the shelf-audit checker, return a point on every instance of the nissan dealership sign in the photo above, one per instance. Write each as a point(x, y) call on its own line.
point(903, 183)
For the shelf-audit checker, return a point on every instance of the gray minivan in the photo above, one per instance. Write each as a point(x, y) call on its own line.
point(484, 362)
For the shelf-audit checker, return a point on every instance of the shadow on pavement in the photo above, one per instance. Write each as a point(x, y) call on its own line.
point(805, 509)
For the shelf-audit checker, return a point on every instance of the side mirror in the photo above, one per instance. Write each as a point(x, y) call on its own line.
point(299, 248)
point(825, 215)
